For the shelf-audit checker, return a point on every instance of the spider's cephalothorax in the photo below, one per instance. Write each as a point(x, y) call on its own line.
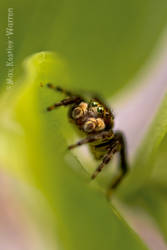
point(96, 121)
point(91, 117)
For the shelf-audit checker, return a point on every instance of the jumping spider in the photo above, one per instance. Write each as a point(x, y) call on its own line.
point(96, 120)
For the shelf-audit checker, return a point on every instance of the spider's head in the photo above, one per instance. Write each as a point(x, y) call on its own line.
point(93, 116)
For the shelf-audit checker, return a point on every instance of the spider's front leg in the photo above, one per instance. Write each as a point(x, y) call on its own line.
point(59, 89)
point(106, 159)
point(64, 102)
point(92, 138)
point(72, 98)
point(123, 163)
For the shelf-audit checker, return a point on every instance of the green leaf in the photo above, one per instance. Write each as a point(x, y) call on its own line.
point(146, 185)
point(33, 148)
point(152, 198)
point(152, 194)
point(143, 165)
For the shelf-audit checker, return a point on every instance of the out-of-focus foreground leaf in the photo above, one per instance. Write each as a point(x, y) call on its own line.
point(152, 196)
point(33, 148)
point(144, 163)
point(146, 186)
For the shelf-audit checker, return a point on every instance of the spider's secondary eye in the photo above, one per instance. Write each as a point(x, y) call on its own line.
point(94, 104)
point(100, 109)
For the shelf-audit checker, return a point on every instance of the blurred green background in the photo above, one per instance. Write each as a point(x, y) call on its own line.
point(104, 42)
point(98, 46)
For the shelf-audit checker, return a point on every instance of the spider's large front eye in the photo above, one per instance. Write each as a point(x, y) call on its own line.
point(100, 109)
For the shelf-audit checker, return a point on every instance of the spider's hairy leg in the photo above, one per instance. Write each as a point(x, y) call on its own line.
point(106, 159)
point(123, 163)
point(92, 138)
point(64, 102)
point(59, 89)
